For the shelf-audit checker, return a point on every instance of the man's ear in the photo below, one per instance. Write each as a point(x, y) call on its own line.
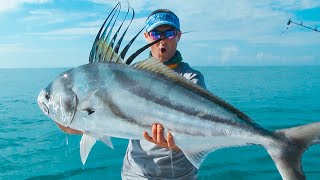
point(146, 36)
point(178, 36)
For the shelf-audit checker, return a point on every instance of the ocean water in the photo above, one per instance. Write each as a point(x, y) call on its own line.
point(32, 146)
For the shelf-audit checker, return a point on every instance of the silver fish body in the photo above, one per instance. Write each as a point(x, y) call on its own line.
point(116, 100)
point(122, 96)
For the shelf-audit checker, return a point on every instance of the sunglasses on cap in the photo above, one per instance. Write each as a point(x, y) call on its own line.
point(155, 35)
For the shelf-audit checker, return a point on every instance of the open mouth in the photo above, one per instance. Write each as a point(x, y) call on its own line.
point(163, 50)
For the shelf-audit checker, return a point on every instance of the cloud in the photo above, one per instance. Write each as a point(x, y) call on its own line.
point(6, 5)
point(10, 48)
point(67, 33)
point(68, 25)
point(297, 4)
point(260, 55)
point(244, 20)
point(223, 32)
point(89, 28)
point(249, 21)
point(137, 5)
point(272, 59)
point(201, 45)
point(43, 17)
point(56, 24)
point(228, 52)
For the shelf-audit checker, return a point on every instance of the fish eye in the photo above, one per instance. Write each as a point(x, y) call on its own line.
point(47, 96)
point(90, 110)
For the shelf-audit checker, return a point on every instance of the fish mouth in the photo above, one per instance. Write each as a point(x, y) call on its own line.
point(43, 107)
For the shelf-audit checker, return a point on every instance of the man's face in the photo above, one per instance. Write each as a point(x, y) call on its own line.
point(166, 48)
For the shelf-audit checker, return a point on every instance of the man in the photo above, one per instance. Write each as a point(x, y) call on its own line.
point(158, 157)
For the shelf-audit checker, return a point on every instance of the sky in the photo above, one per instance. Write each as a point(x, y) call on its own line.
point(60, 33)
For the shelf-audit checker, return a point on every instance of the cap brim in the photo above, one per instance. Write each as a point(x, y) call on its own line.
point(157, 24)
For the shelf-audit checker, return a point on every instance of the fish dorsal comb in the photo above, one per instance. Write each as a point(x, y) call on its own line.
point(101, 42)
point(105, 48)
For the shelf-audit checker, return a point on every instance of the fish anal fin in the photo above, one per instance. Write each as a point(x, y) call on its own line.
point(196, 158)
point(86, 144)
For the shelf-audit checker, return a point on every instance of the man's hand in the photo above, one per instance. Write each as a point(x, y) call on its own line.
point(69, 130)
point(158, 138)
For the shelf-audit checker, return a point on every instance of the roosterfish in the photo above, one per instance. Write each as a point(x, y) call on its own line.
point(109, 97)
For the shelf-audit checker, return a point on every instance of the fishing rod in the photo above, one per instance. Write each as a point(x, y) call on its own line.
point(301, 24)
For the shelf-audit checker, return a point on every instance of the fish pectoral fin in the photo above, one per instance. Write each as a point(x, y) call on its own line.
point(107, 141)
point(86, 144)
point(196, 158)
point(88, 102)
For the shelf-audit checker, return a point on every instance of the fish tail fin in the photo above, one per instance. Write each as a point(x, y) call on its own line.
point(287, 156)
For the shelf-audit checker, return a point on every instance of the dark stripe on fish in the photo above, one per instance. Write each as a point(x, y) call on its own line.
point(129, 85)
point(107, 100)
point(133, 87)
point(93, 73)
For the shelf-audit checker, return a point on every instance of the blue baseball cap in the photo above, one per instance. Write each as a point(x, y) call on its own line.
point(162, 18)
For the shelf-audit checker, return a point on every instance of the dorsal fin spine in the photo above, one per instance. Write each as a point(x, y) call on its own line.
point(116, 34)
point(125, 49)
point(103, 50)
point(116, 50)
point(106, 52)
point(135, 54)
point(94, 46)
point(105, 38)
